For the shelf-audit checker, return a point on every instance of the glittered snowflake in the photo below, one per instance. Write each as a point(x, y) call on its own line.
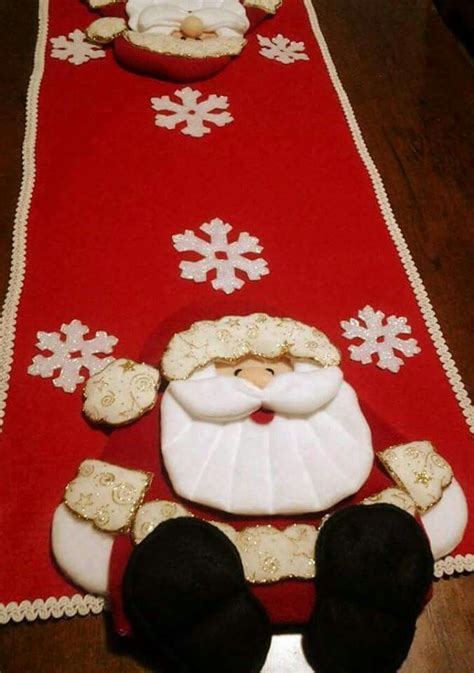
point(282, 49)
point(379, 338)
point(191, 112)
point(74, 48)
point(71, 353)
point(221, 256)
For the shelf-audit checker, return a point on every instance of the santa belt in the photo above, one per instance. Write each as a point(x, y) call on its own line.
point(111, 498)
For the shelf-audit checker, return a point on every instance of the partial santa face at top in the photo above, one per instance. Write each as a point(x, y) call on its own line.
point(196, 19)
point(315, 451)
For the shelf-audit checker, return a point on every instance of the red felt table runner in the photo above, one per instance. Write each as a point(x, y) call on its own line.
point(110, 190)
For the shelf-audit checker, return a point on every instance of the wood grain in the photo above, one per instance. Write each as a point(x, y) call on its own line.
point(412, 89)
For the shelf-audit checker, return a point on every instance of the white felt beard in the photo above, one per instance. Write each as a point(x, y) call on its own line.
point(226, 19)
point(315, 452)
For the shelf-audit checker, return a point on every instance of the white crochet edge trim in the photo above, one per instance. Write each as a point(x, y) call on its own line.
point(66, 606)
point(18, 257)
point(404, 253)
point(83, 605)
point(454, 564)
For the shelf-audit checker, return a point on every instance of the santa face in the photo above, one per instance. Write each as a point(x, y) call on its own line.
point(195, 19)
point(313, 450)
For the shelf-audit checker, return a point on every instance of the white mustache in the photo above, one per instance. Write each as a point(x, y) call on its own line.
point(228, 398)
point(170, 16)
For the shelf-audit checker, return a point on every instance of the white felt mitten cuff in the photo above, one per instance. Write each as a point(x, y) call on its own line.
point(81, 551)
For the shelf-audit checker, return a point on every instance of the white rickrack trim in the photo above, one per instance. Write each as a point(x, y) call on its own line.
point(66, 606)
point(18, 258)
point(454, 564)
point(417, 285)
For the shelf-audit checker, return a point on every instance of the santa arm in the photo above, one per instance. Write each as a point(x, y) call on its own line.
point(81, 550)
point(428, 479)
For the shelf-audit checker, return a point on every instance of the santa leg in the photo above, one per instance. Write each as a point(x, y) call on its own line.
point(374, 570)
point(187, 599)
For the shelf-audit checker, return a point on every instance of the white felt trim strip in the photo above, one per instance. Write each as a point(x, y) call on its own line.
point(18, 256)
point(57, 607)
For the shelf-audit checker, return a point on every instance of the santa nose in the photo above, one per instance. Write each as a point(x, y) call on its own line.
point(192, 26)
point(257, 375)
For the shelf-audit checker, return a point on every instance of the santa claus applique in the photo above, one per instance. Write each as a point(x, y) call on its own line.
point(228, 509)
point(179, 40)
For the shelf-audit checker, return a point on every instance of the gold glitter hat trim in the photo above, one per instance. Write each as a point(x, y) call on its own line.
point(234, 337)
point(169, 45)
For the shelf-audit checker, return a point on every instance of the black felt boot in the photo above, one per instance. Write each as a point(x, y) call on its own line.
point(187, 599)
point(374, 568)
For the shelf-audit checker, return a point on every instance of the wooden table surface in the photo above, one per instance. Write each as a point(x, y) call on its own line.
point(412, 89)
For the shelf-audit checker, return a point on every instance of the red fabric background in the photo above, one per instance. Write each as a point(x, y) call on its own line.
point(111, 189)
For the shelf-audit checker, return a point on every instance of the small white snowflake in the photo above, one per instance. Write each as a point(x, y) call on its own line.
point(282, 49)
point(76, 49)
point(379, 339)
point(71, 354)
point(220, 255)
point(191, 112)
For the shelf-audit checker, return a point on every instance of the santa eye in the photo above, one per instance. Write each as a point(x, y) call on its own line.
point(272, 372)
point(237, 372)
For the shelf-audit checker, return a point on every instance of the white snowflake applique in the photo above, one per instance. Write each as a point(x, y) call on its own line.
point(191, 112)
point(75, 48)
point(220, 255)
point(379, 339)
point(71, 354)
point(282, 49)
